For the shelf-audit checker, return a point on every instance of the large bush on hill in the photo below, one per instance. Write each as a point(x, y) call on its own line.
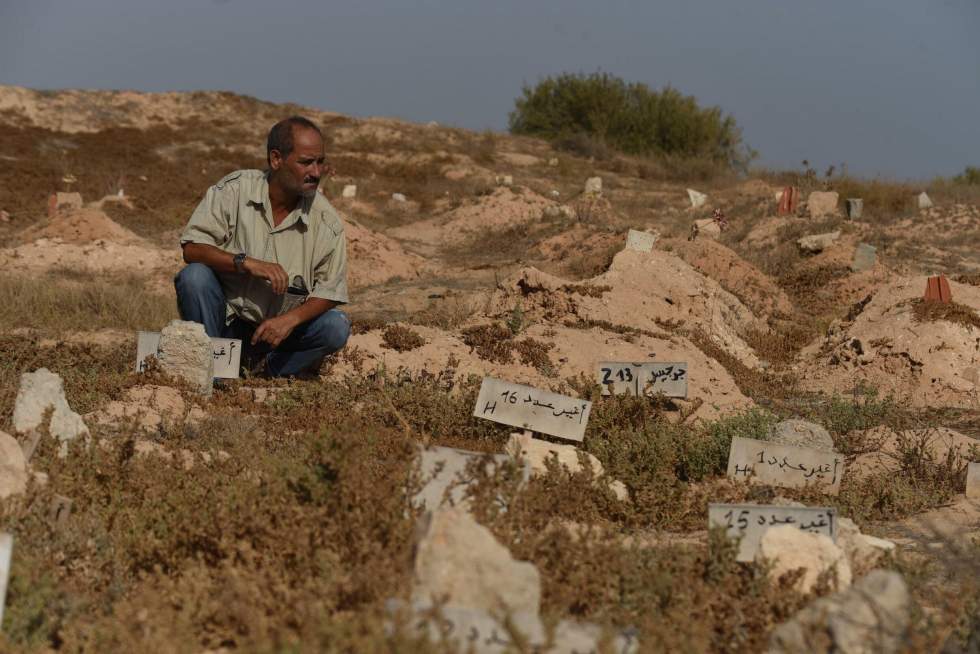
point(629, 117)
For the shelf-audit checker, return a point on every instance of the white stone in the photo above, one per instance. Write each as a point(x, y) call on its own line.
point(816, 243)
point(789, 548)
point(552, 211)
point(555, 193)
point(536, 453)
point(507, 180)
point(349, 192)
point(641, 241)
point(801, 433)
point(863, 551)
point(871, 617)
point(186, 353)
point(444, 475)
point(13, 466)
point(458, 560)
point(697, 198)
point(593, 186)
point(39, 391)
point(398, 197)
point(924, 201)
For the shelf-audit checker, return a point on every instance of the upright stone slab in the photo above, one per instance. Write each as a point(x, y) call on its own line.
point(530, 408)
point(593, 186)
point(924, 201)
point(640, 241)
point(762, 462)
point(973, 481)
point(801, 433)
point(865, 257)
point(186, 353)
point(822, 203)
point(13, 466)
point(855, 206)
point(349, 192)
point(39, 391)
point(816, 243)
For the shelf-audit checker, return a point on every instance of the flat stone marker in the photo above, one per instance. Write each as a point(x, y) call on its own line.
point(533, 409)
point(924, 201)
point(854, 207)
point(761, 462)
point(227, 353)
point(640, 241)
point(647, 378)
point(6, 552)
point(445, 467)
point(750, 521)
point(865, 257)
point(973, 481)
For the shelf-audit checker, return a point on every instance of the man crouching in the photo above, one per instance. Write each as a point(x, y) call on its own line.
point(267, 258)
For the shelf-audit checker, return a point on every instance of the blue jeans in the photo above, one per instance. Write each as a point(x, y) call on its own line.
point(200, 298)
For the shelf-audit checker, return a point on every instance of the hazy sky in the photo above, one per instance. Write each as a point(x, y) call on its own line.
point(891, 87)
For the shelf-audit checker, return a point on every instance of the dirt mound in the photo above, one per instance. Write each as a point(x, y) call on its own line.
point(924, 362)
point(941, 443)
point(376, 258)
point(81, 226)
point(736, 275)
point(570, 353)
point(99, 256)
point(656, 292)
point(501, 210)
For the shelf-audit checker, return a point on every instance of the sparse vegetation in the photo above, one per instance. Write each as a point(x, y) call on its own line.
point(401, 338)
point(954, 312)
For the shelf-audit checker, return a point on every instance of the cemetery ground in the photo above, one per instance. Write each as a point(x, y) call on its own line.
point(275, 515)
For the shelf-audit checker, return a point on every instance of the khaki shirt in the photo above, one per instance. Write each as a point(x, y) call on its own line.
point(236, 216)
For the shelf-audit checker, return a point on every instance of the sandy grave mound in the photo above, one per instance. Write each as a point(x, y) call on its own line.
point(82, 226)
point(376, 258)
point(572, 352)
point(928, 362)
point(838, 283)
point(744, 280)
point(499, 211)
point(655, 291)
point(941, 443)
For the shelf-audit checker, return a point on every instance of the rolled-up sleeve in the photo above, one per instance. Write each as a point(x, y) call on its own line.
point(211, 222)
point(330, 271)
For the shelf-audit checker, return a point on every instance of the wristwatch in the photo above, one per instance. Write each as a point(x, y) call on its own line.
point(240, 262)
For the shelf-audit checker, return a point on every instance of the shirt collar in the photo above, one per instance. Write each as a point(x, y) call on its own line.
point(260, 196)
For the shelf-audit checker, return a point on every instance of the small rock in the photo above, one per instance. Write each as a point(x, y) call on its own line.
point(349, 192)
point(641, 241)
point(872, 616)
point(822, 203)
point(552, 211)
point(788, 548)
point(555, 193)
point(863, 551)
point(801, 434)
point(186, 353)
point(13, 466)
point(593, 186)
point(458, 561)
point(697, 198)
point(855, 206)
point(537, 452)
point(39, 391)
point(398, 197)
point(924, 201)
point(507, 180)
point(816, 243)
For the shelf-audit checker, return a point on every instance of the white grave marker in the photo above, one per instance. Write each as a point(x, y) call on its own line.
point(640, 241)
point(529, 408)
point(6, 552)
point(750, 521)
point(788, 466)
point(649, 378)
point(973, 481)
point(227, 353)
point(444, 468)
point(697, 198)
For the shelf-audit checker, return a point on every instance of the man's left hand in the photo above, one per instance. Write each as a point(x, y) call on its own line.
point(274, 330)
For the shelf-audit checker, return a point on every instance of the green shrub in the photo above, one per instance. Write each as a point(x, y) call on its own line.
point(586, 112)
point(970, 176)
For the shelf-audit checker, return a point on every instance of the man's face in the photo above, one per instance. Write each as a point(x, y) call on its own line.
point(299, 173)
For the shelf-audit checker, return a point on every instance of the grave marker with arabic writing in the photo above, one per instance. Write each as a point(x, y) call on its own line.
point(788, 466)
point(750, 521)
point(530, 408)
point(227, 353)
point(648, 378)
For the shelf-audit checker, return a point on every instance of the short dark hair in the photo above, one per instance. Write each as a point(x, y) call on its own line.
point(281, 135)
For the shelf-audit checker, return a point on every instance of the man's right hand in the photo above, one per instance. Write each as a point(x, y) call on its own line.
point(273, 272)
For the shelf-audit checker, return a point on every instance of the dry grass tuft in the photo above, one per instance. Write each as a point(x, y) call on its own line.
point(954, 312)
point(401, 338)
